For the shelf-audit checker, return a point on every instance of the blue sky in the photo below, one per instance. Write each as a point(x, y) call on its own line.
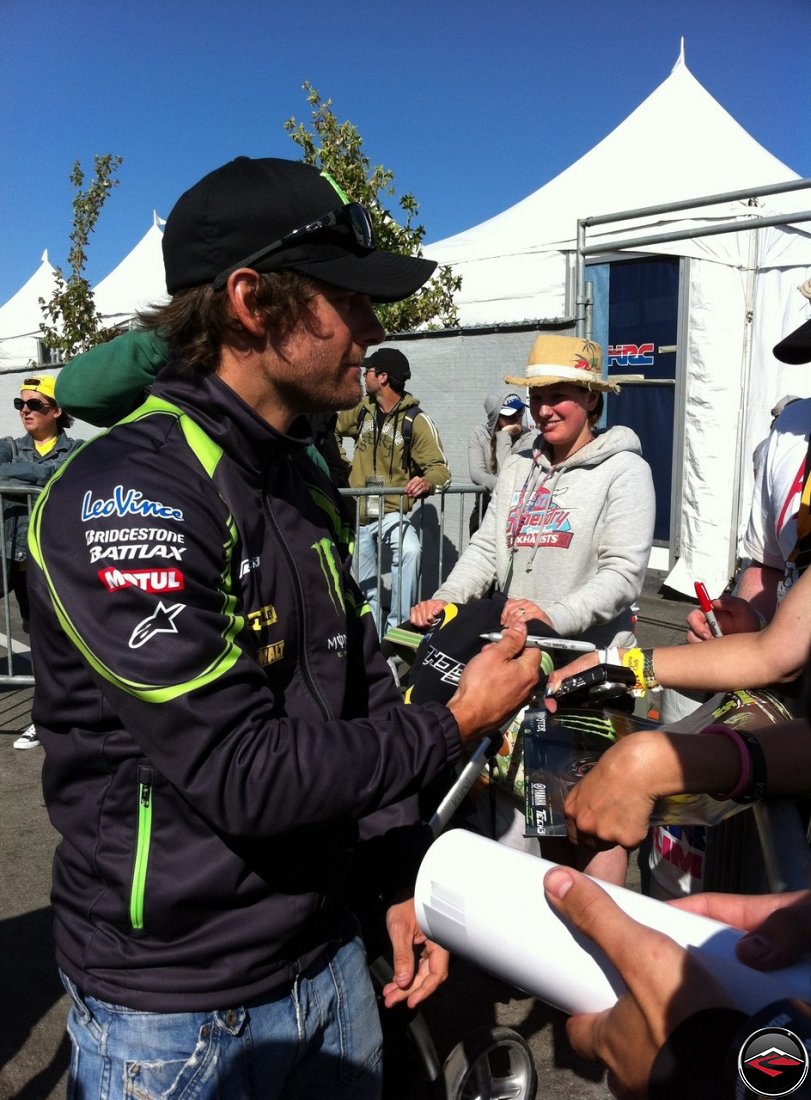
point(473, 105)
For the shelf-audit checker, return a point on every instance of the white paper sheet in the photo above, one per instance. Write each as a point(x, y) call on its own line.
point(486, 902)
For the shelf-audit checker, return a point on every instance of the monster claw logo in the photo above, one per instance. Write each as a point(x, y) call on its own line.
point(773, 1062)
point(161, 621)
point(325, 550)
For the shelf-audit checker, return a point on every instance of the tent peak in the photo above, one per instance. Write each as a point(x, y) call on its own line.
point(44, 258)
point(157, 220)
point(680, 60)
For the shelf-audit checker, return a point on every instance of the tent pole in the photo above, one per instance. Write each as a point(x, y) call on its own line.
point(746, 367)
point(589, 311)
point(580, 280)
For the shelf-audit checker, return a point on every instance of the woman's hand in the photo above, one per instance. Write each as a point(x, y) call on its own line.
point(614, 801)
point(556, 678)
point(424, 613)
point(521, 611)
point(734, 615)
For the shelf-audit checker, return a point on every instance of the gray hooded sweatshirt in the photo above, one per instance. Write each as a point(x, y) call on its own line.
point(480, 443)
point(573, 538)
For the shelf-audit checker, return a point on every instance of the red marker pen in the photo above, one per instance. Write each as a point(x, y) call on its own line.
point(706, 607)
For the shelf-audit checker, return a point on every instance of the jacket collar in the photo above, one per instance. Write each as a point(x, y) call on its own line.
point(231, 423)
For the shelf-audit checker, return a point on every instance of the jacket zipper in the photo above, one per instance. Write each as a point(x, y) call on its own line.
point(141, 848)
point(297, 588)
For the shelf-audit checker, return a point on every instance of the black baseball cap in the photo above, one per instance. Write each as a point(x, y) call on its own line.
point(247, 205)
point(389, 361)
point(796, 347)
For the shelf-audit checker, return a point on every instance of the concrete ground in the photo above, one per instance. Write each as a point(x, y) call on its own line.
point(34, 1052)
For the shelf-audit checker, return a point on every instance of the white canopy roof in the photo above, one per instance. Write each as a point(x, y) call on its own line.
point(137, 282)
point(21, 315)
point(678, 144)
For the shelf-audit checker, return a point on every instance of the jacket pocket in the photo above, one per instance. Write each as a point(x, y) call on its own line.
point(143, 839)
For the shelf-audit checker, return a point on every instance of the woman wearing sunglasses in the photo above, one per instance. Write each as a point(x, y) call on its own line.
point(25, 463)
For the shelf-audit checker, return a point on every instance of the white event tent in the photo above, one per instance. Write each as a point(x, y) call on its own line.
point(737, 294)
point(20, 318)
point(137, 282)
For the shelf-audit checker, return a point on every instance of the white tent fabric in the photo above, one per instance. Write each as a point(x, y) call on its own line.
point(137, 282)
point(20, 318)
point(678, 144)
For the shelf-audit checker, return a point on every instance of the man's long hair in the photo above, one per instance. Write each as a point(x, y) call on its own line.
point(198, 321)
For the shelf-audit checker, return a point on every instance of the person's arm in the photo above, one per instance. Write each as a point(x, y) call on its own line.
point(666, 986)
point(625, 534)
point(675, 1033)
point(428, 456)
point(107, 382)
point(615, 800)
point(36, 473)
point(774, 655)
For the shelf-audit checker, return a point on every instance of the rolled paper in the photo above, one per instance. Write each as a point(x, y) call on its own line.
point(486, 902)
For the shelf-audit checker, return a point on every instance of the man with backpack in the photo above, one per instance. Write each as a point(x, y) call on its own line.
point(396, 446)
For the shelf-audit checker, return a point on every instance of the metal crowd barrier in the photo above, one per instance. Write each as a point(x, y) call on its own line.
point(763, 850)
point(441, 522)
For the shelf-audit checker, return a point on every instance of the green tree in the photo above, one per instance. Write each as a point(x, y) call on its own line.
point(338, 148)
point(72, 323)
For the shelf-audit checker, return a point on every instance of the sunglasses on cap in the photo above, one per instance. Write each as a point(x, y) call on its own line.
point(34, 404)
point(351, 216)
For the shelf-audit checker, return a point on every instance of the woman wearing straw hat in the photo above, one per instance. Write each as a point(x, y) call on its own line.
point(569, 528)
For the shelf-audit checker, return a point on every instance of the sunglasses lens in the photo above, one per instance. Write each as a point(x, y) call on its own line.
point(361, 224)
point(35, 405)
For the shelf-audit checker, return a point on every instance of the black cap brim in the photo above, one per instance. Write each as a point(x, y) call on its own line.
point(796, 348)
point(384, 276)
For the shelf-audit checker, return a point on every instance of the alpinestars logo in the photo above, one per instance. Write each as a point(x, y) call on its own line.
point(773, 1062)
point(161, 621)
point(148, 580)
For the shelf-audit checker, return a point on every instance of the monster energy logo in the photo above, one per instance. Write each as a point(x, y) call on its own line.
point(325, 551)
point(588, 723)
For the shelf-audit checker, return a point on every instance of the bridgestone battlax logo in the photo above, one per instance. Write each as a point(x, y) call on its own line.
point(773, 1062)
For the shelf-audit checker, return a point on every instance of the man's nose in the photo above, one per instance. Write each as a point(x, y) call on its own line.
point(369, 330)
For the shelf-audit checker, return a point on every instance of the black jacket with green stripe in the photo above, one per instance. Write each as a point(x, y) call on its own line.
point(215, 711)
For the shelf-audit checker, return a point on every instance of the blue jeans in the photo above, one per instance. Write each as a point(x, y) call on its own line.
point(319, 1039)
point(405, 565)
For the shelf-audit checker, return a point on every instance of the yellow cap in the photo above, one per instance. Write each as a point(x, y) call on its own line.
point(40, 383)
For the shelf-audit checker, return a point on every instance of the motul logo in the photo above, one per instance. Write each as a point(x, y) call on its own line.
point(148, 580)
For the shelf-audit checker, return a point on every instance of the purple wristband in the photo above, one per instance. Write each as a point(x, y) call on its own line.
point(745, 758)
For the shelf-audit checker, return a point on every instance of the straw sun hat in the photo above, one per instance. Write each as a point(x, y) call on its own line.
point(563, 359)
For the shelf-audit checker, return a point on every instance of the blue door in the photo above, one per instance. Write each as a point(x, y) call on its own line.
point(643, 301)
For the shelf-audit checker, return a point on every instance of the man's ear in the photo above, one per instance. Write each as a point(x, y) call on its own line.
point(241, 289)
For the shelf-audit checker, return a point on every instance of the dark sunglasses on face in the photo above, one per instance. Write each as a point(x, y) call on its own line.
point(351, 216)
point(34, 404)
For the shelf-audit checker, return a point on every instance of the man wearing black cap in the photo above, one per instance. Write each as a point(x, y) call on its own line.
point(396, 446)
point(218, 721)
point(778, 536)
